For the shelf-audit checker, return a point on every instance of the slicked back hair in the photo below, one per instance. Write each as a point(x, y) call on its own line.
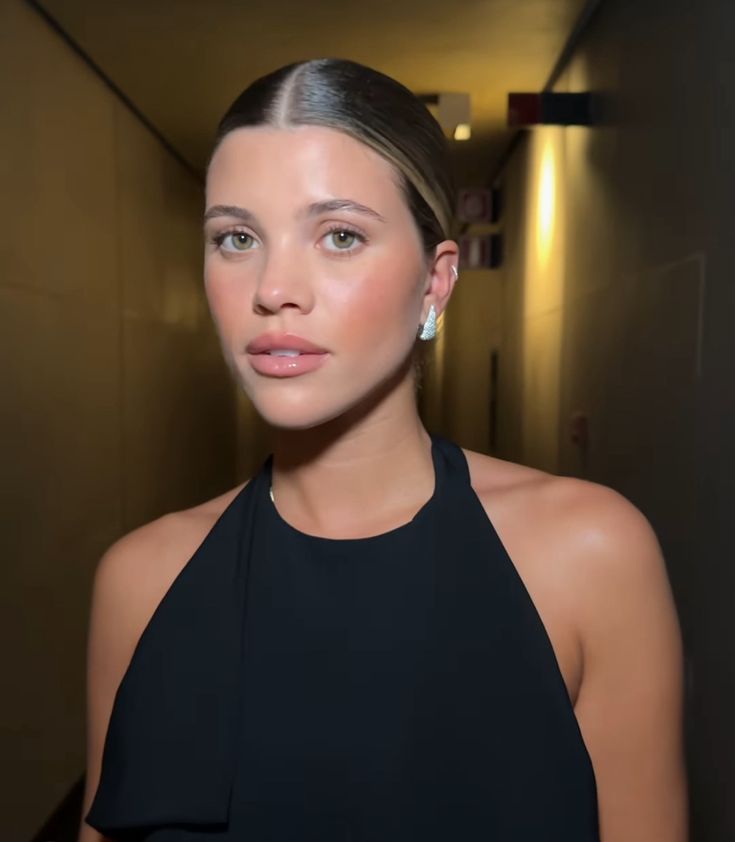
point(372, 108)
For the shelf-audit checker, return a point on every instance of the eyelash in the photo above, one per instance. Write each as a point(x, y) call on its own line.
point(347, 230)
point(218, 239)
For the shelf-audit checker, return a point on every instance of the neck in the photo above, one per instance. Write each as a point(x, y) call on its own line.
point(352, 475)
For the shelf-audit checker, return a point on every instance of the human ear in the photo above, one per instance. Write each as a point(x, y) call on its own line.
point(442, 275)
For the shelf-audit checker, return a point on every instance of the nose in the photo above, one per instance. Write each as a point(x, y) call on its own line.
point(283, 282)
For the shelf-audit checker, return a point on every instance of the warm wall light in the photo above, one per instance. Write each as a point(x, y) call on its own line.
point(462, 132)
point(546, 203)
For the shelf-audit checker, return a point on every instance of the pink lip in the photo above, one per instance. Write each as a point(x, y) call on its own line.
point(282, 341)
point(286, 366)
point(310, 356)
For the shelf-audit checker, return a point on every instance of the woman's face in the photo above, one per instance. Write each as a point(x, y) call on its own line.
point(282, 265)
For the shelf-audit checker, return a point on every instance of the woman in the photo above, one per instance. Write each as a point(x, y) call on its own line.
point(381, 636)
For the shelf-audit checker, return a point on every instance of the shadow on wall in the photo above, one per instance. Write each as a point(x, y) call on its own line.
point(121, 408)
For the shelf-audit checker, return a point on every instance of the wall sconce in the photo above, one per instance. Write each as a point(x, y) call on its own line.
point(452, 111)
point(550, 109)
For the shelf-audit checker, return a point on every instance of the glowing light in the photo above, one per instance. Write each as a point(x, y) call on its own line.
point(546, 203)
point(462, 132)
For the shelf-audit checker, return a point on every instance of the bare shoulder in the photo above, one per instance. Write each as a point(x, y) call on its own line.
point(601, 534)
point(594, 568)
point(591, 563)
point(141, 565)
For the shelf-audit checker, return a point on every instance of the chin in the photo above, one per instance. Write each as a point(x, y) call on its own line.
point(303, 403)
point(289, 415)
point(294, 404)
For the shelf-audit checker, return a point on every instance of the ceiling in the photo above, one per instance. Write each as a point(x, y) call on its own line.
point(182, 62)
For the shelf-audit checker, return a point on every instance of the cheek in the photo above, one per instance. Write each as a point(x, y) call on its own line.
point(380, 303)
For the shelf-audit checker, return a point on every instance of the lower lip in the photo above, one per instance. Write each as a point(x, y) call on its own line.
point(280, 366)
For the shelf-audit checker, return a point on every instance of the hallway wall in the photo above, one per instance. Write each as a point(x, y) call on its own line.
point(454, 399)
point(618, 305)
point(116, 406)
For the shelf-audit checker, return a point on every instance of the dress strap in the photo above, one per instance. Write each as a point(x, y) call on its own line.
point(456, 461)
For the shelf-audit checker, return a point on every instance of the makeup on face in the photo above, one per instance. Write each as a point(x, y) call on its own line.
point(311, 318)
point(284, 355)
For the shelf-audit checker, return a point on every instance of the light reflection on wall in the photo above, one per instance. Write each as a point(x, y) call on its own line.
point(546, 203)
point(542, 275)
point(544, 240)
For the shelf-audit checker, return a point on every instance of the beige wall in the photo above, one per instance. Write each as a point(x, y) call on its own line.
point(467, 336)
point(455, 383)
point(627, 317)
point(116, 406)
point(532, 301)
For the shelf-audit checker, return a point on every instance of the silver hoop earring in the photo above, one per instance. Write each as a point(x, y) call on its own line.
point(428, 329)
point(455, 272)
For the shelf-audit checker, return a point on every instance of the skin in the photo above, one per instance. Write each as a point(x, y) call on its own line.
point(352, 459)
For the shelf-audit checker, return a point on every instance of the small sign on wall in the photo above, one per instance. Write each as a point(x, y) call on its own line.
point(480, 251)
point(479, 205)
point(475, 204)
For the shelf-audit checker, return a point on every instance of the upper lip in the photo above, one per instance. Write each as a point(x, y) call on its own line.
point(282, 341)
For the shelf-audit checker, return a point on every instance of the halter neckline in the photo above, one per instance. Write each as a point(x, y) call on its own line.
point(420, 516)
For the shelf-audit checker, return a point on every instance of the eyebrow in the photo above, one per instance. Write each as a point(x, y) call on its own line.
point(314, 209)
point(228, 210)
point(317, 208)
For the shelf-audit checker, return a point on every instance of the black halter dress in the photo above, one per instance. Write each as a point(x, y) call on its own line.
point(393, 688)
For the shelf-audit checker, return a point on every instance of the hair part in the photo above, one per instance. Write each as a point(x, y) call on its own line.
point(369, 106)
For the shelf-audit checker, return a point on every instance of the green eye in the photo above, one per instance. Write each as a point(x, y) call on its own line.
point(342, 238)
point(240, 240)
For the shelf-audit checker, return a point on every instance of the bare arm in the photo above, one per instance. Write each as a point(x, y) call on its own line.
point(630, 701)
point(109, 647)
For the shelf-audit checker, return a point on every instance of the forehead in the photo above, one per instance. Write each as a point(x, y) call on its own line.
point(298, 162)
